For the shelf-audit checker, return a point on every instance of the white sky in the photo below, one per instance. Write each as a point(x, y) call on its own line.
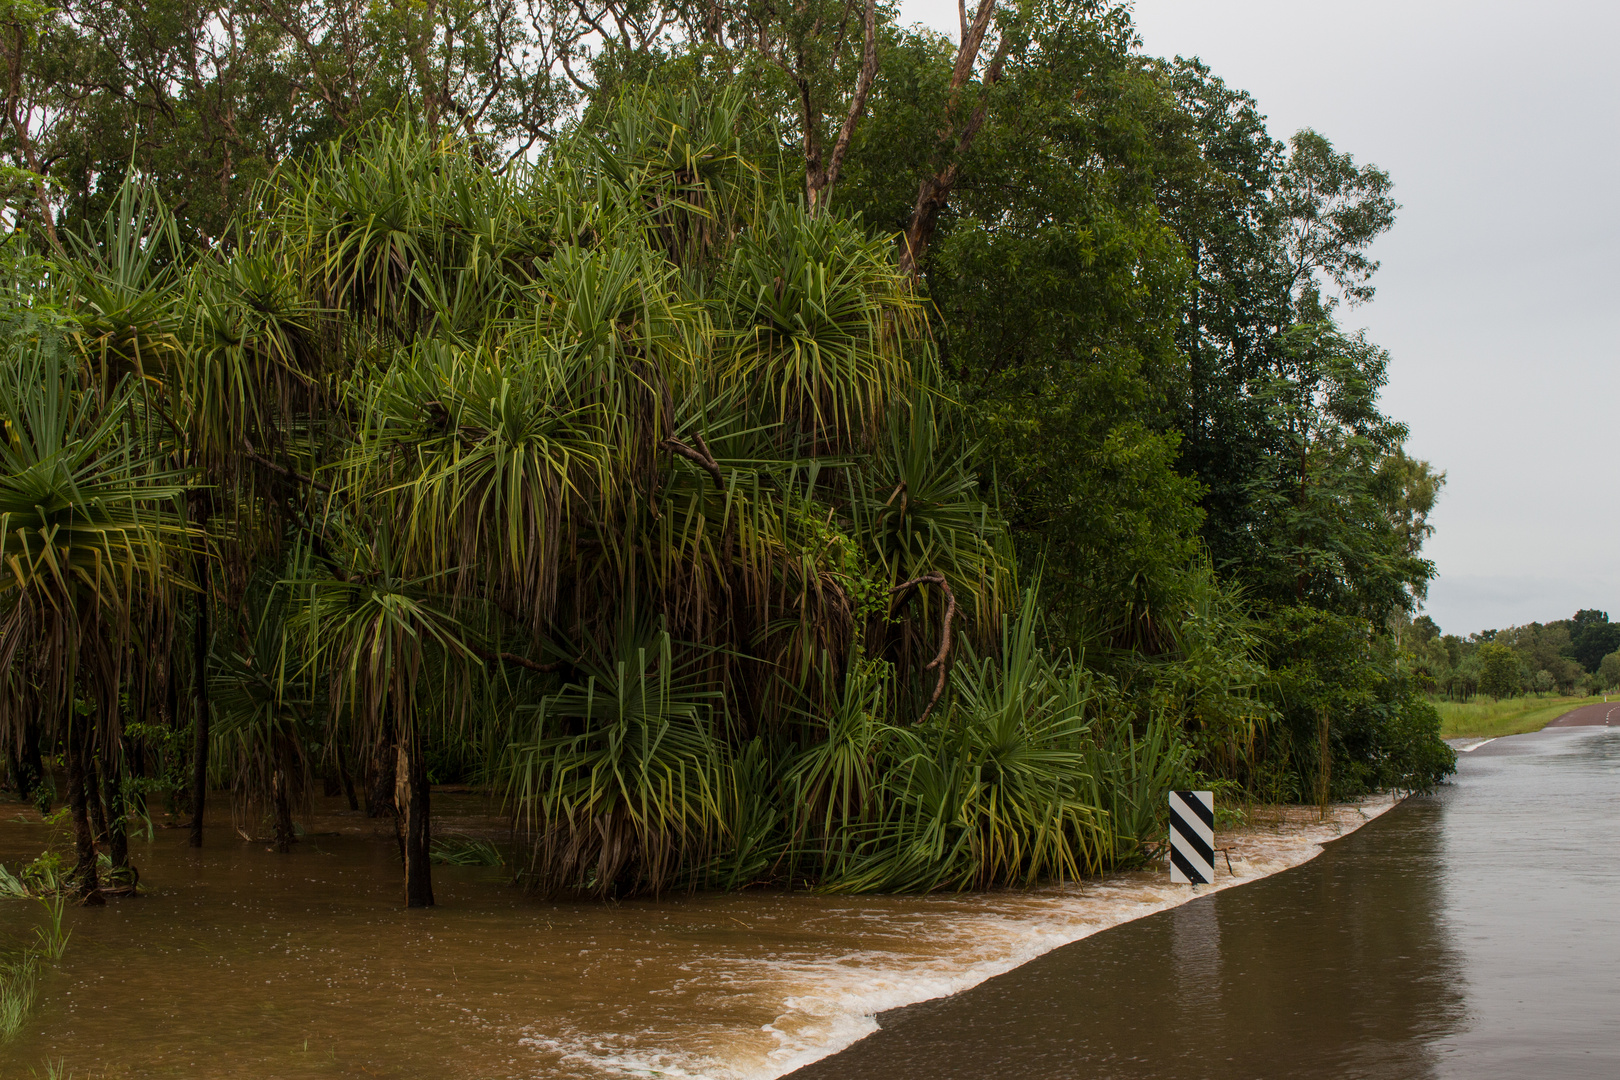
point(1500, 124)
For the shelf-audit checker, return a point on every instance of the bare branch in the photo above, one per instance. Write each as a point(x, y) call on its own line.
point(941, 659)
point(700, 457)
point(514, 658)
point(857, 105)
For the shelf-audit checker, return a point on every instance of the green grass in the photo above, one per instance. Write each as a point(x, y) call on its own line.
point(21, 968)
point(1484, 718)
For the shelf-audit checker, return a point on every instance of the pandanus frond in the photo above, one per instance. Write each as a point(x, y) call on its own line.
point(484, 455)
point(817, 326)
point(369, 627)
point(89, 527)
point(620, 776)
point(680, 163)
point(252, 365)
point(993, 792)
point(264, 723)
point(121, 279)
point(920, 510)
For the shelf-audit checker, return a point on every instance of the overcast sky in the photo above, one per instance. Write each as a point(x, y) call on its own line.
point(1498, 294)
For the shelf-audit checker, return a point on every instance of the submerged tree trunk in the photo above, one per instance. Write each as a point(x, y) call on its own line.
point(27, 770)
point(199, 698)
point(283, 796)
point(98, 809)
point(343, 774)
point(174, 795)
point(411, 805)
point(380, 789)
point(84, 869)
point(112, 787)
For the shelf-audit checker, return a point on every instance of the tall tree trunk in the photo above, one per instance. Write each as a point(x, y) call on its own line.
point(934, 192)
point(380, 789)
point(199, 701)
point(411, 803)
point(821, 176)
point(84, 839)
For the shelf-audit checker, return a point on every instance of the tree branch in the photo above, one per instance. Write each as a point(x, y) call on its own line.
point(863, 85)
point(700, 457)
point(942, 658)
point(933, 193)
point(288, 472)
point(514, 658)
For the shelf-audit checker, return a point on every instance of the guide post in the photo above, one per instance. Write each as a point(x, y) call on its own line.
point(1192, 837)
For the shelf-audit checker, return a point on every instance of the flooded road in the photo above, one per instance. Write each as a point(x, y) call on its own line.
point(1471, 934)
point(240, 963)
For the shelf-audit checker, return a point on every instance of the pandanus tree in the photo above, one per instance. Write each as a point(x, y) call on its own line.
point(624, 388)
point(375, 633)
point(672, 439)
point(266, 724)
point(89, 530)
point(621, 465)
point(222, 351)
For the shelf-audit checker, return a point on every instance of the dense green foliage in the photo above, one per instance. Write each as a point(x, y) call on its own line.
point(848, 458)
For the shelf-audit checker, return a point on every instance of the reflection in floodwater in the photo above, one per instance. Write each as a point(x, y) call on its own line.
point(1470, 934)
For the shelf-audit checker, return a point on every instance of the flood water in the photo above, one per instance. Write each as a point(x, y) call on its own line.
point(241, 963)
point(1472, 933)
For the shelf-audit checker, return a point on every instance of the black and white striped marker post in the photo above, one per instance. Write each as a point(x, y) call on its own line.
point(1192, 837)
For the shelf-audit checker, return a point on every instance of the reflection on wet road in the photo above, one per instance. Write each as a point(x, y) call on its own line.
point(1473, 933)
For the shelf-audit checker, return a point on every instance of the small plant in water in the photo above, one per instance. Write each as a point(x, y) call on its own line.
point(52, 938)
point(465, 851)
point(11, 886)
point(20, 968)
point(44, 877)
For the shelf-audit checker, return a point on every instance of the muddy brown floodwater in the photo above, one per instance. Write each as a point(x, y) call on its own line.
point(239, 963)
point(1473, 933)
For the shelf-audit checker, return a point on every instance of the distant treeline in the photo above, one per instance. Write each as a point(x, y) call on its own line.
point(1574, 655)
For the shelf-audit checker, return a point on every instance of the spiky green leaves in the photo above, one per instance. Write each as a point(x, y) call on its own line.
point(89, 526)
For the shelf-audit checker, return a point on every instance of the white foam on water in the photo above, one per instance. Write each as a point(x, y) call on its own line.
point(827, 1004)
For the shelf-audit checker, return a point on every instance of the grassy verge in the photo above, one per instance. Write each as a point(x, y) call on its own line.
point(1483, 718)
